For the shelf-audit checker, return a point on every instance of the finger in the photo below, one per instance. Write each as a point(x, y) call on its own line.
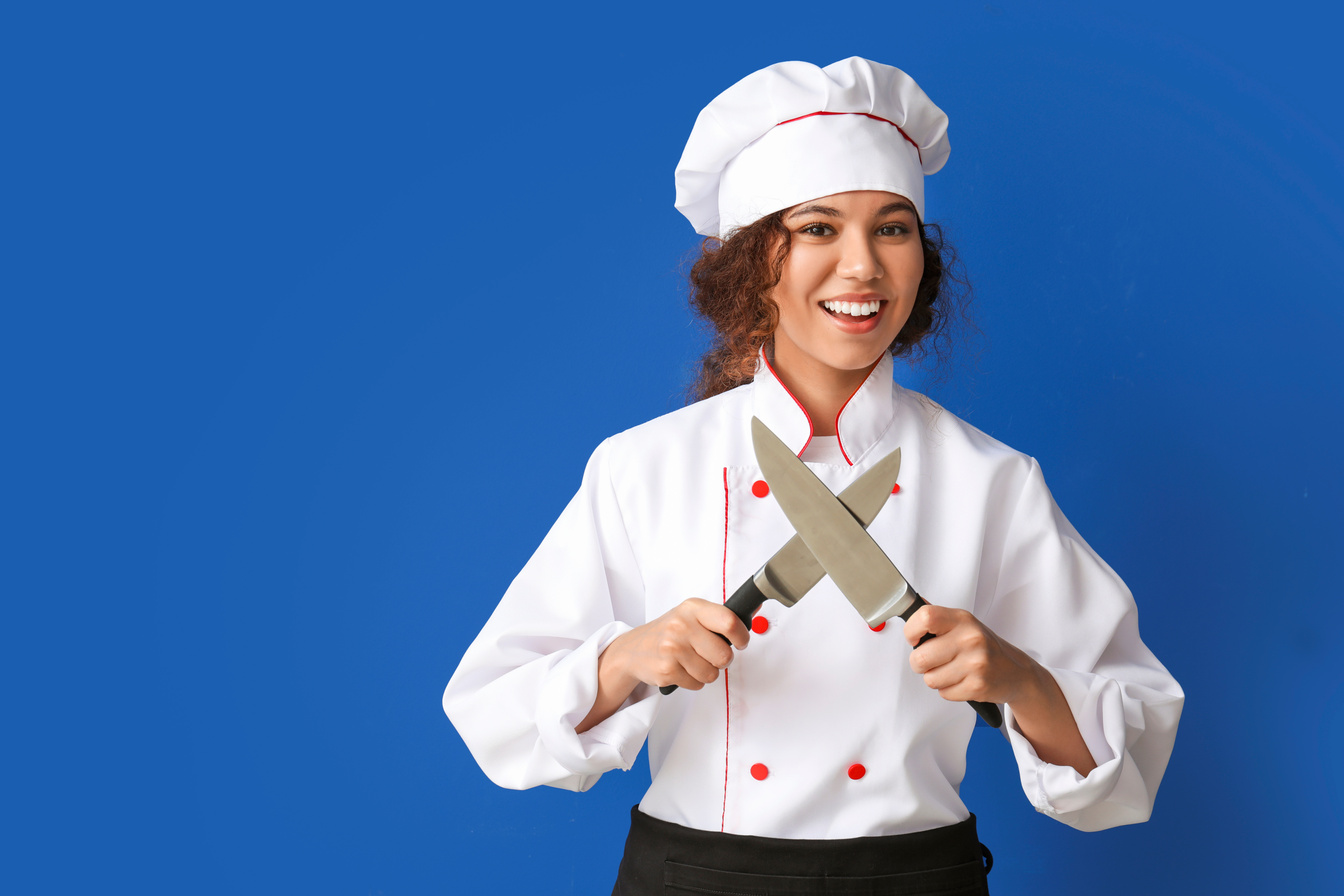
point(968, 687)
point(683, 668)
point(932, 621)
point(718, 618)
point(965, 678)
point(700, 669)
point(944, 678)
point(710, 647)
point(932, 654)
point(919, 624)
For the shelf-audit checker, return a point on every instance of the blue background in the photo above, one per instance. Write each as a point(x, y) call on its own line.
point(313, 313)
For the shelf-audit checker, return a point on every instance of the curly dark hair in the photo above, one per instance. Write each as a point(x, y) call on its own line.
point(731, 281)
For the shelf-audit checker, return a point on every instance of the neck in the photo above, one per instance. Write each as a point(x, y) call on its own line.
point(821, 390)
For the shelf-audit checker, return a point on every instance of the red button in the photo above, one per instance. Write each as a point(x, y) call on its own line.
point(759, 772)
point(760, 625)
point(857, 771)
point(895, 488)
point(760, 488)
point(878, 627)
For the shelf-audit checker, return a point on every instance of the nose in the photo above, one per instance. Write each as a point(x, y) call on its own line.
point(858, 260)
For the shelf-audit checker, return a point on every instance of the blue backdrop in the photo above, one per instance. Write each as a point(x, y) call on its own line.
point(313, 313)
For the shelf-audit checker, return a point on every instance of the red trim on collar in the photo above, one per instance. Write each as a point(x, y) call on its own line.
point(810, 428)
point(839, 441)
point(865, 115)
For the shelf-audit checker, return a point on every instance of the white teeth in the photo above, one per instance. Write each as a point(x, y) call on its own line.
point(853, 309)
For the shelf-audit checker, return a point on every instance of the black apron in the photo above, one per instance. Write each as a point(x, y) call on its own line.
point(665, 858)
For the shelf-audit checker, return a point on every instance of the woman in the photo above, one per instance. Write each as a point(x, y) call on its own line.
point(814, 748)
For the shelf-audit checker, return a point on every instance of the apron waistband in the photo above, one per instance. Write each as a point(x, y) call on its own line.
point(662, 857)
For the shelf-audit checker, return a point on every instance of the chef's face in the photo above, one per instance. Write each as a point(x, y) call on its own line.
point(849, 282)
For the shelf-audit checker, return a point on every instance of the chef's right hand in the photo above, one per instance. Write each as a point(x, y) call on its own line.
point(682, 646)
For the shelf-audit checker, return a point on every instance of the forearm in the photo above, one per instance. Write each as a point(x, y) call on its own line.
point(1043, 716)
point(614, 686)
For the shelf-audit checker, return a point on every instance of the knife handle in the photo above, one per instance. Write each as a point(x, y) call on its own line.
point(987, 711)
point(745, 601)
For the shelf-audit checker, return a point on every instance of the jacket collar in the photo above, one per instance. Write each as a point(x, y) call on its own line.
point(862, 421)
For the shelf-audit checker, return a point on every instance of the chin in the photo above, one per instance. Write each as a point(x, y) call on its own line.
point(857, 360)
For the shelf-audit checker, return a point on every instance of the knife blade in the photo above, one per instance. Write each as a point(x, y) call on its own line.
point(792, 571)
point(859, 567)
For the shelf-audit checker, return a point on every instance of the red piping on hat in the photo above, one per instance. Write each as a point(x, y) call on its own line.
point(865, 115)
point(808, 416)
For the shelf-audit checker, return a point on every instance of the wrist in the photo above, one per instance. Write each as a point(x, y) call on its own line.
point(614, 673)
point(1038, 693)
point(612, 687)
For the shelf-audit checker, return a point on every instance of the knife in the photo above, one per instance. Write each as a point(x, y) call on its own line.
point(792, 571)
point(864, 574)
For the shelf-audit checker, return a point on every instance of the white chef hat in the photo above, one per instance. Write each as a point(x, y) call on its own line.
point(794, 131)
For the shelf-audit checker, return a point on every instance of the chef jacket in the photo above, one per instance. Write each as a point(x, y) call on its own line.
point(819, 728)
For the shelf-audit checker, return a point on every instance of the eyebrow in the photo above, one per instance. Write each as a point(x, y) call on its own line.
point(900, 205)
point(813, 210)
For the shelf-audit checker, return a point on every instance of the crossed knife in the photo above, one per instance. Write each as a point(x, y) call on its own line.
point(831, 539)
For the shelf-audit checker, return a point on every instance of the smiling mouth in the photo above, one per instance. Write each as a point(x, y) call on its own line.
point(853, 310)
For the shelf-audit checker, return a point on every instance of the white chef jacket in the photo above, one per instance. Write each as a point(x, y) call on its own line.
point(819, 729)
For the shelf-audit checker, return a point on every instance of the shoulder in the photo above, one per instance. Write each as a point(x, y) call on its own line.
point(943, 429)
point(707, 433)
point(695, 425)
point(950, 447)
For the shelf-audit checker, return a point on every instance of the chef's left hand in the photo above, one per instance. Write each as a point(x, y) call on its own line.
point(966, 660)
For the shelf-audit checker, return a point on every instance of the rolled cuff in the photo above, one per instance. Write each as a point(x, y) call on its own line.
point(1113, 793)
point(566, 695)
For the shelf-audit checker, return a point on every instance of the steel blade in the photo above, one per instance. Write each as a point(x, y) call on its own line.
point(859, 568)
point(793, 570)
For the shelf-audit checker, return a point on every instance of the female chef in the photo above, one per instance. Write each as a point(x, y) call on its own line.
point(814, 754)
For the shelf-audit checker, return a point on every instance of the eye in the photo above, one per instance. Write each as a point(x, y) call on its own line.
point(893, 229)
point(817, 229)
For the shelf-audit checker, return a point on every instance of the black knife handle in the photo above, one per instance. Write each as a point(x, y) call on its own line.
point(745, 601)
point(987, 711)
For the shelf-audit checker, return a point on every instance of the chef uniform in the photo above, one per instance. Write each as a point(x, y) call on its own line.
point(819, 761)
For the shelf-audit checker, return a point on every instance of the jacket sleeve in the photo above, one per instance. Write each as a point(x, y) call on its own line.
point(531, 674)
point(1064, 606)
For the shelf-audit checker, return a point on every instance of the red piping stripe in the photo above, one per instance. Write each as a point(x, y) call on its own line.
point(865, 115)
point(839, 441)
point(810, 428)
point(726, 705)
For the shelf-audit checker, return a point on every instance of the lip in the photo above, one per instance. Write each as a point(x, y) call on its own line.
point(860, 325)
